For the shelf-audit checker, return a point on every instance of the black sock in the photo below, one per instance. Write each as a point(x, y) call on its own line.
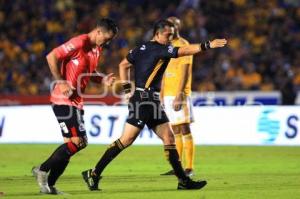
point(112, 152)
point(62, 153)
point(56, 171)
point(173, 158)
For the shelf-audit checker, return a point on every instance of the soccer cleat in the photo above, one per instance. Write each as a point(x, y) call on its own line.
point(51, 190)
point(91, 180)
point(171, 172)
point(55, 191)
point(189, 172)
point(189, 184)
point(35, 170)
point(41, 178)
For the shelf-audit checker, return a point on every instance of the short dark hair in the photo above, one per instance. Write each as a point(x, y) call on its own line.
point(108, 24)
point(160, 25)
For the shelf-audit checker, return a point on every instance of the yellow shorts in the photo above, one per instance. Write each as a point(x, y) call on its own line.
point(184, 115)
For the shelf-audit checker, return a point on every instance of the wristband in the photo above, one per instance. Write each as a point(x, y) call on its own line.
point(205, 46)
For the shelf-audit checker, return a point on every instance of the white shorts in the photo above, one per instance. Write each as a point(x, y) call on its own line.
point(184, 115)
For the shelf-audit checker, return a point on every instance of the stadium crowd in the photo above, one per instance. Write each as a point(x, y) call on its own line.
point(264, 39)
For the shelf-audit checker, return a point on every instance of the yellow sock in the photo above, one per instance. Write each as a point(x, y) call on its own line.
point(189, 148)
point(179, 145)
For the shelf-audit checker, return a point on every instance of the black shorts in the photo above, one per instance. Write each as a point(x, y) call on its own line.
point(70, 120)
point(145, 109)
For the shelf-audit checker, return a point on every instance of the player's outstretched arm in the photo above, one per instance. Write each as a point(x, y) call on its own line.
point(196, 48)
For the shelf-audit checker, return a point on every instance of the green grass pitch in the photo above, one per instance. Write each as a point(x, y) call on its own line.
point(231, 171)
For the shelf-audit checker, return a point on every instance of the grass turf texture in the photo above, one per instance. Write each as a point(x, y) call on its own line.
point(231, 172)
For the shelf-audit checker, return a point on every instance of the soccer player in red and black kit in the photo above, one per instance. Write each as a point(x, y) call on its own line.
point(72, 65)
point(150, 60)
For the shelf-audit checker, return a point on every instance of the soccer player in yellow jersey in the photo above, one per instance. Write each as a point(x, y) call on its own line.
point(176, 92)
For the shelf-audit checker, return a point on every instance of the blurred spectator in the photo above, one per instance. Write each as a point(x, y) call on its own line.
point(250, 79)
point(263, 40)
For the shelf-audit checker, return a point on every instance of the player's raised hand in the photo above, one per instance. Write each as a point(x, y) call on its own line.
point(217, 43)
point(66, 88)
point(109, 79)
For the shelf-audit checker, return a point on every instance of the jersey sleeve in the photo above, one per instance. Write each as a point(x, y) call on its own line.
point(168, 51)
point(131, 56)
point(68, 49)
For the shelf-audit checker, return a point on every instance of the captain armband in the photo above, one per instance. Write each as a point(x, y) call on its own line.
point(126, 87)
point(205, 46)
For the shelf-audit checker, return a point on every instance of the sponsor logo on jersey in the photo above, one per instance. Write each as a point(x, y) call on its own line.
point(75, 61)
point(143, 47)
point(170, 49)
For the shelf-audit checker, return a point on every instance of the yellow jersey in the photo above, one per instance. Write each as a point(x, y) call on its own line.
point(173, 73)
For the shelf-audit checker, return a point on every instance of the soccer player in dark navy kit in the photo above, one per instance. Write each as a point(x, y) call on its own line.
point(150, 60)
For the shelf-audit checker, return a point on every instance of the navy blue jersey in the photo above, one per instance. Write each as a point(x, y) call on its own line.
point(150, 61)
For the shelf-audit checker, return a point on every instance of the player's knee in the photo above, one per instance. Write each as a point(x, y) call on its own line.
point(126, 142)
point(176, 129)
point(168, 138)
point(83, 144)
point(171, 138)
point(185, 129)
point(80, 142)
point(127, 139)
